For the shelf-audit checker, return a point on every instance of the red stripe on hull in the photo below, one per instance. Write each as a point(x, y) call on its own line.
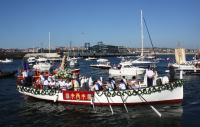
point(98, 103)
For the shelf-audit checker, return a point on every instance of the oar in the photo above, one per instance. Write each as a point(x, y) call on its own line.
point(92, 100)
point(149, 104)
point(123, 100)
point(108, 103)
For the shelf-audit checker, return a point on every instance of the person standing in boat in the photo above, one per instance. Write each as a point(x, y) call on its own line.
point(171, 72)
point(155, 77)
point(76, 84)
point(90, 80)
point(42, 76)
point(30, 74)
point(46, 84)
point(25, 76)
point(149, 76)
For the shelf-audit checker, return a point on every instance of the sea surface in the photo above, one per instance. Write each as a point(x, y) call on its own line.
point(18, 110)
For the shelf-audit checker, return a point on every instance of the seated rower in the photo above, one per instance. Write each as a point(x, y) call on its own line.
point(134, 83)
point(68, 84)
point(39, 83)
point(46, 84)
point(52, 84)
point(121, 86)
point(94, 87)
point(108, 86)
point(99, 83)
point(62, 85)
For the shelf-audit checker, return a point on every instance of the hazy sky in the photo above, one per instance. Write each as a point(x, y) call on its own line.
point(27, 23)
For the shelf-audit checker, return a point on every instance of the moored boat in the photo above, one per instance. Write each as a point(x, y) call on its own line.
point(7, 60)
point(102, 63)
point(6, 74)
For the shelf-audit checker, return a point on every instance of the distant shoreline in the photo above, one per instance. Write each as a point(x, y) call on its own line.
point(20, 55)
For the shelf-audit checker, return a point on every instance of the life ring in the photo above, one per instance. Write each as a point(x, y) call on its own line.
point(20, 71)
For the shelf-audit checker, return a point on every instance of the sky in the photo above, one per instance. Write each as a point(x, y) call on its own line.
point(27, 23)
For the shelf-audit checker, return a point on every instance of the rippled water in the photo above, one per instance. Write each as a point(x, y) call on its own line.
point(19, 110)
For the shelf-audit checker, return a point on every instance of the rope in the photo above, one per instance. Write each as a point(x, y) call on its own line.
point(150, 38)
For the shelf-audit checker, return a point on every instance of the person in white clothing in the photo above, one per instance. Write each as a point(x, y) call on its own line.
point(94, 86)
point(49, 77)
point(61, 84)
point(155, 77)
point(134, 83)
point(25, 76)
point(90, 80)
point(52, 84)
point(46, 84)
point(100, 83)
point(149, 76)
point(122, 86)
point(76, 84)
point(68, 84)
point(42, 76)
point(86, 81)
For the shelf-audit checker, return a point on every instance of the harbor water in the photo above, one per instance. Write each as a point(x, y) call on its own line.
point(18, 110)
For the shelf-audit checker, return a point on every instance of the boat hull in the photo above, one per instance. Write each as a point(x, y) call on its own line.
point(7, 74)
point(167, 93)
point(126, 71)
point(100, 66)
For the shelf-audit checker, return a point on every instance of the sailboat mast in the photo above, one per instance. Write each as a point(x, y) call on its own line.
point(142, 33)
point(49, 42)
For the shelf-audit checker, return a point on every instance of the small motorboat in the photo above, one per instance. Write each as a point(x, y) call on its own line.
point(31, 60)
point(42, 64)
point(6, 74)
point(90, 58)
point(73, 63)
point(102, 63)
point(7, 60)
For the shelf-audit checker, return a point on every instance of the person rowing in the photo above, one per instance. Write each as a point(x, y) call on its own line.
point(134, 83)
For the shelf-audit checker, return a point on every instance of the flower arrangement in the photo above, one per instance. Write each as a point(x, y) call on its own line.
point(64, 73)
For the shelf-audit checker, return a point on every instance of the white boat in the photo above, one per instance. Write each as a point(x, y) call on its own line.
point(73, 63)
point(102, 63)
point(187, 67)
point(90, 58)
point(42, 64)
point(31, 60)
point(55, 59)
point(127, 69)
point(7, 60)
point(0, 61)
point(165, 93)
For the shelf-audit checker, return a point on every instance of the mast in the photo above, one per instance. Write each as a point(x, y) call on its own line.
point(142, 33)
point(49, 42)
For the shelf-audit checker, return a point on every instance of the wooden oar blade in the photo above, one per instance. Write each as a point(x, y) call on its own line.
point(156, 111)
